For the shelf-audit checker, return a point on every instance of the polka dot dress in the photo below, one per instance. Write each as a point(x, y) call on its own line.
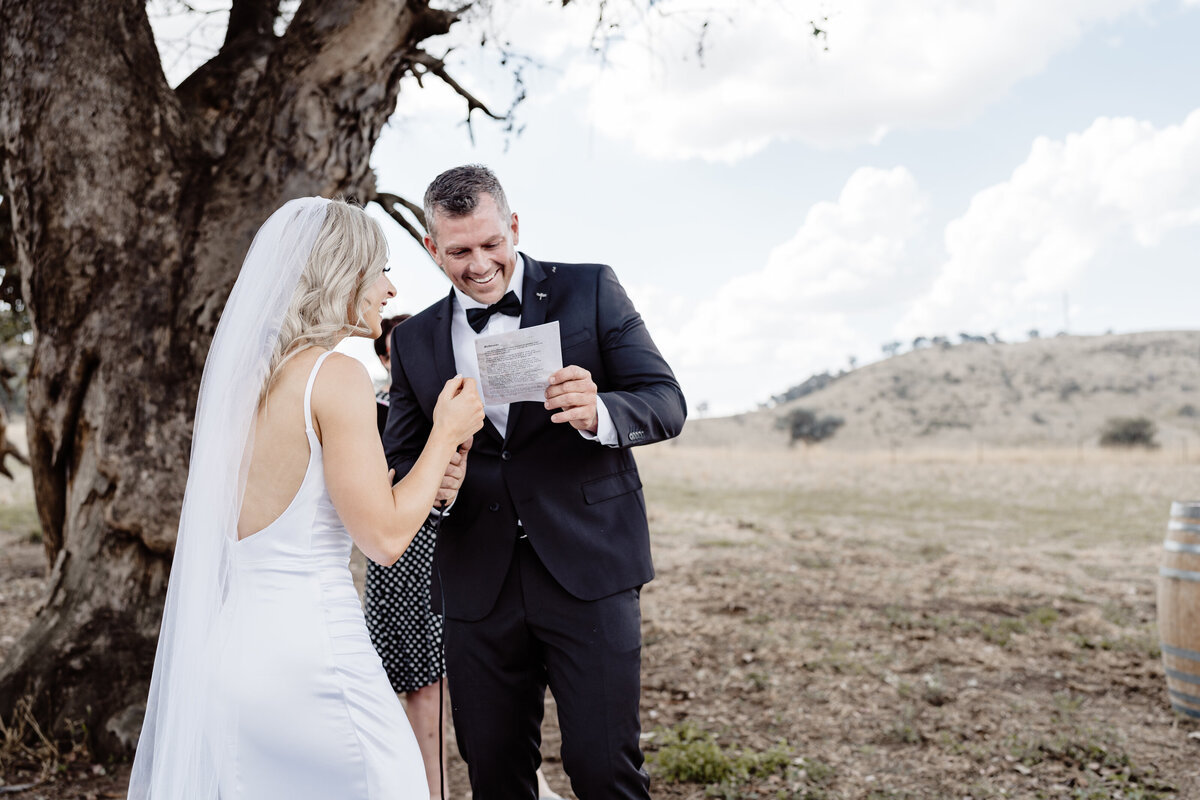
point(402, 625)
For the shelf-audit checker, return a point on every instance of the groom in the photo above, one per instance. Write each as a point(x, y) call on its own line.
point(544, 546)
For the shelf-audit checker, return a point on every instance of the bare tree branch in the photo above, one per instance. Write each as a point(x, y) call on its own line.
point(437, 66)
point(191, 9)
point(821, 33)
point(388, 203)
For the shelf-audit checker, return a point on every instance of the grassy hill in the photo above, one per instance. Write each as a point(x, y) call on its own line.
point(1042, 393)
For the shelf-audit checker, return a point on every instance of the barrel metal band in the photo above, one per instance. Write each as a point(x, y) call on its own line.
point(1188, 509)
point(1186, 677)
point(1186, 527)
point(1180, 652)
point(1184, 696)
point(1181, 574)
point(1181, 547)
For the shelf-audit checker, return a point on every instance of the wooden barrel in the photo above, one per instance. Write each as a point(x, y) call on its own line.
point(1179, 608)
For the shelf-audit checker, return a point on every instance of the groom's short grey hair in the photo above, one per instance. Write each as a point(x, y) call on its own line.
point(456, 192)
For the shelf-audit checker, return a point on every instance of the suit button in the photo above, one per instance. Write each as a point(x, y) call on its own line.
point(507, 456)
point(494, 507)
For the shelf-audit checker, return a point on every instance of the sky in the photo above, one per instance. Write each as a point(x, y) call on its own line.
point(782, 204)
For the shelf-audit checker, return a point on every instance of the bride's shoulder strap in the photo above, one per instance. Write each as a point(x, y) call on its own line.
point(312, 378)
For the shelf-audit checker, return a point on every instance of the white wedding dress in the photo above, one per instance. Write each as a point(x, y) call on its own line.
point(301, 707)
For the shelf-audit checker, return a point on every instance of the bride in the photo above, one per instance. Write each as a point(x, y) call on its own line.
point(265, 682)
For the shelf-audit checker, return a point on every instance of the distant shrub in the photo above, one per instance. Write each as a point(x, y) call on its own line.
point(1069, 388)
point(1188, 410)
point(1129, 432)
point(805, 426)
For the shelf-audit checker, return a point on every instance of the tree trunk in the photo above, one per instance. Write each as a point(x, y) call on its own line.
point(132, 207)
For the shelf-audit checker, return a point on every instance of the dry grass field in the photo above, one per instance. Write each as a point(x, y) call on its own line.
point(917, 625)
point(958, 624)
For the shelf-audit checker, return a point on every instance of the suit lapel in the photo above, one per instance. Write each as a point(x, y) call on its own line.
point(443, 348)
point(535, 300)
point(443, 355)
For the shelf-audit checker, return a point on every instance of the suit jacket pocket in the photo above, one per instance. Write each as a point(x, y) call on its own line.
point(611, 486)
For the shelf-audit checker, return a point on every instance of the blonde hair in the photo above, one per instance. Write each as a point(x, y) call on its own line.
point(349, 255)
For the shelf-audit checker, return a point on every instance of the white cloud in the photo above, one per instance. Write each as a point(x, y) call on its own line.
point(850, 253)
point(1027, 240)
point(760, 330)
point(765, 77)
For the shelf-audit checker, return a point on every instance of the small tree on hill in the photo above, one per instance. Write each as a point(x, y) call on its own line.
point(1129, 432)
point(805, 426)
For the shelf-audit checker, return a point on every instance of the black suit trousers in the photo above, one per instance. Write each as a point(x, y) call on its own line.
point(588, 652)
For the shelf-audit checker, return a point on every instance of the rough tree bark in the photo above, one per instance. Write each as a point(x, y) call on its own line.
point(132, 206)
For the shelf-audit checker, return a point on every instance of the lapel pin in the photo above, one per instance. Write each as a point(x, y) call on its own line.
point(541, 295)
point(554, 270)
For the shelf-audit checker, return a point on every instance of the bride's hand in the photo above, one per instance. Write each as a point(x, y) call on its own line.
point(459, 411)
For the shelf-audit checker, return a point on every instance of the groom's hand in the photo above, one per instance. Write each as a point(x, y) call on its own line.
point(452, 479)
point(573, 390)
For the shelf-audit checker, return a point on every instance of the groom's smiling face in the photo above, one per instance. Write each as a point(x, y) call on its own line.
point(477, 251)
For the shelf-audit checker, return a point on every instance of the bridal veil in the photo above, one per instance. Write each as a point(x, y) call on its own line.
point(176, 754)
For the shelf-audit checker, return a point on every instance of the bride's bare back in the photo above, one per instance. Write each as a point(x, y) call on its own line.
point(380, 518)
point(280, 447)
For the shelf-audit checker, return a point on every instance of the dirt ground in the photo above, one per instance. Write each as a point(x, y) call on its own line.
point(903, 625)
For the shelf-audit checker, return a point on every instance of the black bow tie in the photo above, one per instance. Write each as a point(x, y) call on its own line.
point(478, 318)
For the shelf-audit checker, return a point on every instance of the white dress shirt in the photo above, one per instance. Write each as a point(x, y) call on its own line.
point(466, 361)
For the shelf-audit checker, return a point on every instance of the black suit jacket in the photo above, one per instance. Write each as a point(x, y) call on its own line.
point(580, 502)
